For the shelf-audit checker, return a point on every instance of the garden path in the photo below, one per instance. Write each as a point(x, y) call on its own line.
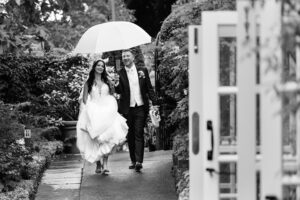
point(155, 181)
point(62, 179)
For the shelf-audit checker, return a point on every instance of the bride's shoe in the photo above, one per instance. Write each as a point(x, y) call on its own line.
point(99, 168)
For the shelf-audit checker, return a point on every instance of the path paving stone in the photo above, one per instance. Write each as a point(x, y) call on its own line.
point(62, 180)
point(155, 181)
point(71, 178)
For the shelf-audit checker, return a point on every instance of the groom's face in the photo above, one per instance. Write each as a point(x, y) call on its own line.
point(127, 58)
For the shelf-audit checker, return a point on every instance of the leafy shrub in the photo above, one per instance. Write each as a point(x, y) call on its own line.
point(49, 85)
point(19, 193)
point(13, 155)
point(173, 71)
point(28, 119)
point(173, 56)
point(14, 158)
point(25, 189)
point(18, 77)
point(51, 133)
point(10, 129)
point(180, 146)
point(173, 67)
point(62, 87)
point(50, 148)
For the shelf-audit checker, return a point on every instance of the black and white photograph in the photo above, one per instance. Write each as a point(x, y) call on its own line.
point(149, 99)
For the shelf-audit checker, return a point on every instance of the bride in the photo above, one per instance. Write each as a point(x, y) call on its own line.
point(100, 127)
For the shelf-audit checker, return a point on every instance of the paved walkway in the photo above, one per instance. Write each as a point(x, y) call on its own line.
point(62, 180)
point(155, 181)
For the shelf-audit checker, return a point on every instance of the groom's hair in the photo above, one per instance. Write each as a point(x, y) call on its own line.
point(128, 50)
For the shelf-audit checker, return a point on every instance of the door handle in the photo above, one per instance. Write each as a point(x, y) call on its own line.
point(271, 197)
point(210, 152)
point(196, 40)
point(195, 133)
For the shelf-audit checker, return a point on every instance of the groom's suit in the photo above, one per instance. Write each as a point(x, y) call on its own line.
point(135, 113)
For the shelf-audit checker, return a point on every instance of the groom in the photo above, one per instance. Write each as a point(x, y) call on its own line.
point(134, 87)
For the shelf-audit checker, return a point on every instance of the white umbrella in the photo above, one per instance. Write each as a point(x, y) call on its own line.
point(111, 36)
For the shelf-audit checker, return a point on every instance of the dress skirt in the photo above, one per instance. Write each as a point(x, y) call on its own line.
point(100, 128)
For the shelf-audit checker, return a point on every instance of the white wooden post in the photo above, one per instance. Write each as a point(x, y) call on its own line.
point(271, 121)
point(246, 104)
point(195, 108)
point(298, 114)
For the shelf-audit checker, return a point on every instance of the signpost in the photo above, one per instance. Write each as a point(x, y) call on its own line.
point(27, 137)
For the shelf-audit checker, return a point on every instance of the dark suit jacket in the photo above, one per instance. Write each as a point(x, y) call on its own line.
point(124, 90)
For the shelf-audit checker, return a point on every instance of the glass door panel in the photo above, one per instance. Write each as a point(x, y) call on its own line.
point(227, 122)
point(227, 111)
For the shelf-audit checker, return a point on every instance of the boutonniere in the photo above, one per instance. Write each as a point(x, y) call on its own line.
point(141, 74)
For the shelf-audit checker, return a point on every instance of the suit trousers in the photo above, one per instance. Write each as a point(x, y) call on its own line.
point(136, 119)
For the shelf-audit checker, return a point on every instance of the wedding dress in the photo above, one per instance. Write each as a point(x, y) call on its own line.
point(100, 127)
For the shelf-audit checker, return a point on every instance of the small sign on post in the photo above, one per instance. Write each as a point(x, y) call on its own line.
point(27, 133)
point(27, 137)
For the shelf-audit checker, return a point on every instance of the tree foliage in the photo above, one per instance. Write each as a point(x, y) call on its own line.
point(150, 13)
point(53, 24)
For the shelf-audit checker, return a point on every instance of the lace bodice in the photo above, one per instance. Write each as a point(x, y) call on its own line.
point(98, 92)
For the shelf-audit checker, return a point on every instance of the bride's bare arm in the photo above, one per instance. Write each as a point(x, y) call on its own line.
point(83, 94)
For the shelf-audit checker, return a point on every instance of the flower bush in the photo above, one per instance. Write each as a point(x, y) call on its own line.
point(10, 129)
point(13, 155)
point(14, 159)
point(31, 173)
point(46, 87)
point(18, 162)
point(63, 86)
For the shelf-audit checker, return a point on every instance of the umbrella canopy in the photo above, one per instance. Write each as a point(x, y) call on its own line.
point(111, 36)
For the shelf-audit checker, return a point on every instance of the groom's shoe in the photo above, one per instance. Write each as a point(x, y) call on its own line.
point(138, 167)
point(132, 166)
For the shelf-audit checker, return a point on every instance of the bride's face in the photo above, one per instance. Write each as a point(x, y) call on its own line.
point(99, 67)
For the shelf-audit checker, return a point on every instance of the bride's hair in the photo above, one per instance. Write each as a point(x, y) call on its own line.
point(91, 78)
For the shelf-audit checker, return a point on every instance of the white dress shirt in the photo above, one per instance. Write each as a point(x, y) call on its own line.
point(135, 91)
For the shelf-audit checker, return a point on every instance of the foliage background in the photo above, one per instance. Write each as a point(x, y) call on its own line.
point(50, 85)
point(18, 163)
point(173, 78)
point(53, 26)
point(173, 57)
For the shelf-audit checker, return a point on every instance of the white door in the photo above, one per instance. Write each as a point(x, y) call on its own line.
point(240, 147)
point(223, 131)
point(213, 107)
